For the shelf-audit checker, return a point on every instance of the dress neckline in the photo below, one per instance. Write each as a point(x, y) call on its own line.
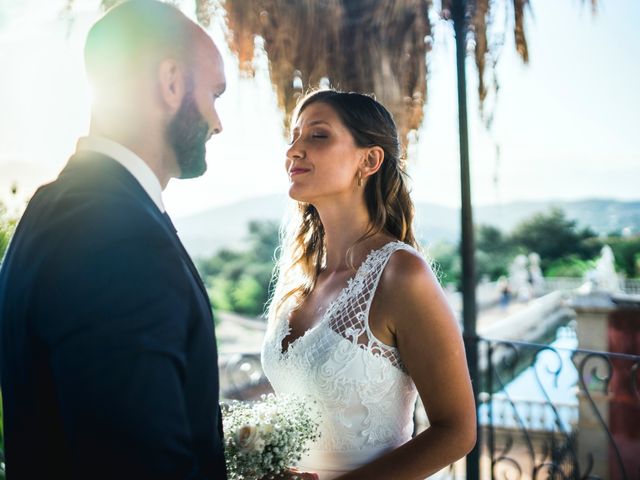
point(331, 304)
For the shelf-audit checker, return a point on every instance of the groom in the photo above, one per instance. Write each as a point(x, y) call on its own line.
point(108, 352)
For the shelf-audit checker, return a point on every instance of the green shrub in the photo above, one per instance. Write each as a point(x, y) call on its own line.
point(239, 280)
point(571, 266)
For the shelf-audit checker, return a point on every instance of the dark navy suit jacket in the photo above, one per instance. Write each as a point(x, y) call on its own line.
point(108, 351)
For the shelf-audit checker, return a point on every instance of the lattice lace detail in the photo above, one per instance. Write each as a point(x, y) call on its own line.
point(348, 315)
point(364, 393)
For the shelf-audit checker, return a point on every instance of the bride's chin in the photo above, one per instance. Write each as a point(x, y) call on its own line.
point(295, 193)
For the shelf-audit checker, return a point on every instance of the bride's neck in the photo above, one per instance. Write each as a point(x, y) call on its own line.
point(343, 227)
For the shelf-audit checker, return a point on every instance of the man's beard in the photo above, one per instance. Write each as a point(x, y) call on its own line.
point(187, 134)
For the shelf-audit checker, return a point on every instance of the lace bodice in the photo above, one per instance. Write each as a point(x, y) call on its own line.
point(362, 390)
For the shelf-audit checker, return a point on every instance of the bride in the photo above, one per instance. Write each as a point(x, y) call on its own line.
point(358, 323)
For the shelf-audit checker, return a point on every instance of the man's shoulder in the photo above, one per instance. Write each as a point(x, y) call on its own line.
point(56, 203)
point(94, 174)
point(93, 185)
point(72, 213)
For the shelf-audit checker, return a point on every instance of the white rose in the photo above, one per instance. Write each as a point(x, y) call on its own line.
point(246, 437)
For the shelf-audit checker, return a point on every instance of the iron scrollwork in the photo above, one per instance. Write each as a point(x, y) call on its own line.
point(536, 435)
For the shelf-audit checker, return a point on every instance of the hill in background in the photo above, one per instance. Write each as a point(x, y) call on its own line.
point(206, 232)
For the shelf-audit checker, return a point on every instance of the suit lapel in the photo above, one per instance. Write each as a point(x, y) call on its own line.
point(108, 166)
point(183, 252)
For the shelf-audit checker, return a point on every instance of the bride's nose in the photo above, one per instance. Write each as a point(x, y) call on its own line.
point(295, 152)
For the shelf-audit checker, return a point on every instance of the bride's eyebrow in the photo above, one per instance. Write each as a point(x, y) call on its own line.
point(318, 122)
point(312, 123)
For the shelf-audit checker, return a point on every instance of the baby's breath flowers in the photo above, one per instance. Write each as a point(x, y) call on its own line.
point(266, 437)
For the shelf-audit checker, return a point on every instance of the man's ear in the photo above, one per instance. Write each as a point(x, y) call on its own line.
point(172, 84)
point(372, 161)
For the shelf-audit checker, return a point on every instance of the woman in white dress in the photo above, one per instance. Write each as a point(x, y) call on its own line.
point(359, 323)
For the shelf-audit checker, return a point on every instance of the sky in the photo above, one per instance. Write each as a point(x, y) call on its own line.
point(565, 124)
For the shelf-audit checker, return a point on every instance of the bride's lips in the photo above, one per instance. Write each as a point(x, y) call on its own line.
point(298, 171)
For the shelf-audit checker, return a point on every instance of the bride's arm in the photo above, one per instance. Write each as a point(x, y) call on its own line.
point(432, 350)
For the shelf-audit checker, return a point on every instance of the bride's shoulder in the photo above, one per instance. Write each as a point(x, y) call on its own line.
point(406, 260)
point(408, 273)
point(410, 294)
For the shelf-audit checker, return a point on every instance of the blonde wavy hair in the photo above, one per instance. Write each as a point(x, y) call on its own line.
point(302, 251)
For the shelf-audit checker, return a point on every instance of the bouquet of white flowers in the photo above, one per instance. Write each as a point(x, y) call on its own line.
point(266, 437)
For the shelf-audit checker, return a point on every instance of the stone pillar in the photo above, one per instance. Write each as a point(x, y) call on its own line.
point(608, 323)
point(624, 402)
point(592, 313)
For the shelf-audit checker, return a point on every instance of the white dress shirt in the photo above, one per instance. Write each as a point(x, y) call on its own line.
point(129, 160)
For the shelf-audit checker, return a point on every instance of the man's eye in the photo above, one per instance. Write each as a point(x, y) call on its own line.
point(318, 135)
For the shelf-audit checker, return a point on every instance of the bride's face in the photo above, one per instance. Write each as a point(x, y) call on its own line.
point(322, 159)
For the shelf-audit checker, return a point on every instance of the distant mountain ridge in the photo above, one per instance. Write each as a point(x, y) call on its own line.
point(206, 232)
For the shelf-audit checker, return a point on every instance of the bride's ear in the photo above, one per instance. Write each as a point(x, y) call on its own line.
point(172, 84)
point(372, 161)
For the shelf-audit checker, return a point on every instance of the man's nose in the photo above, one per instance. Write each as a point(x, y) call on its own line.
point(216, 124)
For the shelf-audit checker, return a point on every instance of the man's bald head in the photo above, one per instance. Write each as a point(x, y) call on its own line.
point(130, 40)
point(156, 75)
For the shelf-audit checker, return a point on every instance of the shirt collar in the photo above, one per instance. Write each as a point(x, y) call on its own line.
point(129, 160)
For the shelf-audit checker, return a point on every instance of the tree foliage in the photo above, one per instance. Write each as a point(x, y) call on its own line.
point(494, 252)
point(564, 248)
point(626, 251)
point(7, 227)
point(239, 280)
point(446, 263)
point(570, 266)
point(553, 236)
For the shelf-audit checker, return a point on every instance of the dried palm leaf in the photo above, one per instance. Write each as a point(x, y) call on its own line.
point(362, 45)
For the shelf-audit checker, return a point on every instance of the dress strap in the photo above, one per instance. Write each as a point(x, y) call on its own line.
point(374, 279)
point(378, 266)
point(348, 316)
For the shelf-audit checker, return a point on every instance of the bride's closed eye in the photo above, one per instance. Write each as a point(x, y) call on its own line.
point(313, 136)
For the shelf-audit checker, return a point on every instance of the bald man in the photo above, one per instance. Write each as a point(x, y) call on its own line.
point(109, 362)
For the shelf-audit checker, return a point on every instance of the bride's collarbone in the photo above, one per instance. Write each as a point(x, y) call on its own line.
point(330, 285)
point(314, 306)
point(313, 309)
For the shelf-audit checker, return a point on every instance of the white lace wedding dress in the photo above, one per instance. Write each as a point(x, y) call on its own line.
point(362, 390)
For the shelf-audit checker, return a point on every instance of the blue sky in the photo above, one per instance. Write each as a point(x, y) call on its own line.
point(566, 123)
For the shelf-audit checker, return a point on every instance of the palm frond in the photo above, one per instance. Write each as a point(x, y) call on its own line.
point(362, 45)
point(518, 29)
point(479, 29)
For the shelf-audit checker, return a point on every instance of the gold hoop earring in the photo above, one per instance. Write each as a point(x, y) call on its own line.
point(359, 178)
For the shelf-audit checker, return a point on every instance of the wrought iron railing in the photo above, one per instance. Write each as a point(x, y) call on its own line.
point(571, 424)
point(631, 286)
